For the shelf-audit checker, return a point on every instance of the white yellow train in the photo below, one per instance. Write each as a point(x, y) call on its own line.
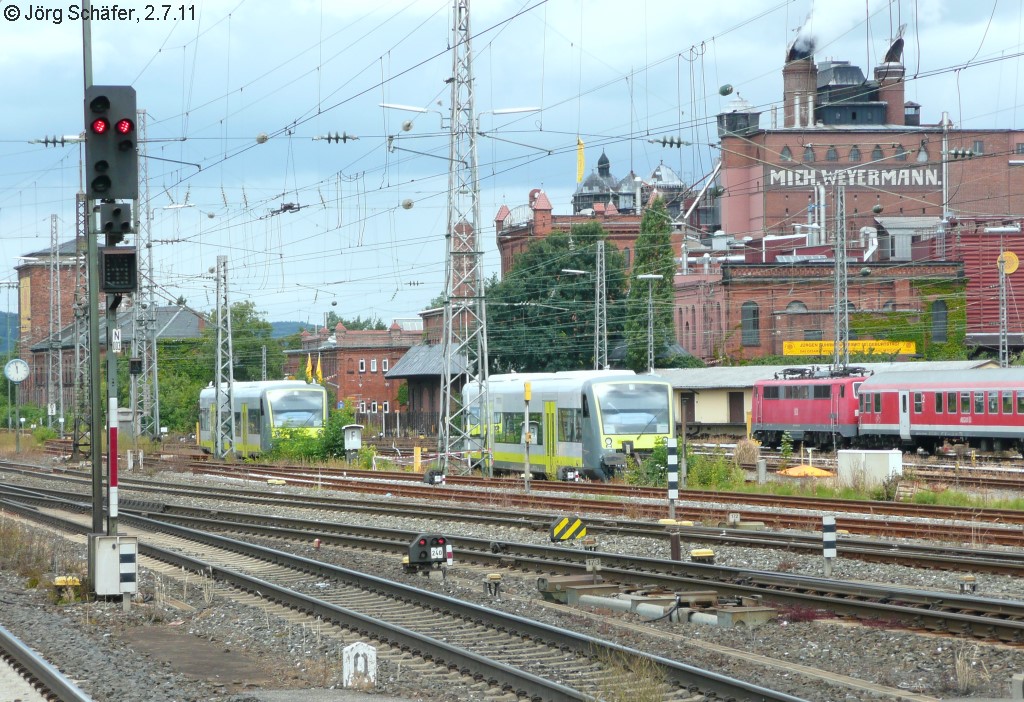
point(262, 411)
point(583, 422)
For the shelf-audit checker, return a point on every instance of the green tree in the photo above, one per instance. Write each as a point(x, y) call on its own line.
point(540, 319)
point(357, 324)
point(250, 332)
point(654, 256)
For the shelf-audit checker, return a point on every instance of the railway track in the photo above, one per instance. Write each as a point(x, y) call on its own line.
point(997, 619)
point(38, 675)
point(508, 653)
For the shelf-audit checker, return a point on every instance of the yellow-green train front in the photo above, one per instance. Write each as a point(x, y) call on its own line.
point(583, 422)
point(264, 411)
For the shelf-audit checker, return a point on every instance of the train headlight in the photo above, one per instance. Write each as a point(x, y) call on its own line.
point(608, 442)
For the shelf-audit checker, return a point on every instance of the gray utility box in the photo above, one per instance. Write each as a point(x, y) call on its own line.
point(115, 560)
point(869, 468)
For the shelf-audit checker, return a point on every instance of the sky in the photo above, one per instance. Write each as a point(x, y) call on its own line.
point(367, 235)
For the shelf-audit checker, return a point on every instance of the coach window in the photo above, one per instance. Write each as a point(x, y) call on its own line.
point(238, 423)
point(938, 403)
point(750, 323)
point(939, 321)
point(1007, 403)
point(821, 392)
point(979, 403)
point(1020, 403)
point(254, 421)
point(865, 402)
point(993, 403)
point(951, 402)
point(918, 403)
point(965, 403)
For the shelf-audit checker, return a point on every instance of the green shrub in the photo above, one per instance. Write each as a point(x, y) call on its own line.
point(714, 471)
point(43, 434)
point(651, 471)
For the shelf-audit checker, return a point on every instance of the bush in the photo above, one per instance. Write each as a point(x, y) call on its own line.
point(714, 471)
point(43, 434)
point(650, 472)
point(747, 452)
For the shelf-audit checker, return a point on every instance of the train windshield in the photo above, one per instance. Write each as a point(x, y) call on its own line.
point(633, 408)
point(296, 408)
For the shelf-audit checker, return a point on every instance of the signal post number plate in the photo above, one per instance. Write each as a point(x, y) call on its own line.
point(437, 553)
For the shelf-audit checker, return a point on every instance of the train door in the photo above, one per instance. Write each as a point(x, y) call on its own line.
point(551, 447)
point(905, 415)
point(243, 429)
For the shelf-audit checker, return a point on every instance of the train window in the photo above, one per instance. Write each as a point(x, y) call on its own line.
point(965, 403)
point(856, 389)
point(584, 405)
point(1007, 403)
point(842, 391)
point(878, 402)
point(254, 421)
point(822, 392)
point(570, 425)
point(536, 432)
point(204, 421)
point(510, 427)
point(993, 403)
point(238, 423)
point(865, 402)
point(938, 403)
point(1020, 403)
point(918, 403)
point(771, 392)
point(951, 402)
point(979, 403)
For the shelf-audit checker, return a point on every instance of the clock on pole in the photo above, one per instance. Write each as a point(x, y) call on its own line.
point(16, 370)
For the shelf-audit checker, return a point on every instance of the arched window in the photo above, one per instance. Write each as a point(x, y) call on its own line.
point(686, 336)
point(750, 323)
point(901, 153)
point(854, 155)
point(785, 154)
point(940, 321)
point(831, 154)
point(808, 154)
point(876, 153)
point(922, 154)
point(796, 306)
point(625, 252)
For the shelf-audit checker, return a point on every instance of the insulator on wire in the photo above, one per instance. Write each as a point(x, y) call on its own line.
point(670, 141)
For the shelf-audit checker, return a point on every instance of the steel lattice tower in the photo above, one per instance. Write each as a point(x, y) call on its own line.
point(81, 424)
point(601, 318)
point(54, 352)
point(841, 350)
point(224, 383)
point(465, 320)
point(145, 391)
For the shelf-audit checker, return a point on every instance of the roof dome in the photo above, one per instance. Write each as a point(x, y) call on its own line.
point(663, 175)
point(604, 165)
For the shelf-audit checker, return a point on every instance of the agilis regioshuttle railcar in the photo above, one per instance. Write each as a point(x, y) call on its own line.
point(263, 412)
point(982, 408)
point(583, 422)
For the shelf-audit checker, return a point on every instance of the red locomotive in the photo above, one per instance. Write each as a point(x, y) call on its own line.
point(816, 407)
point(983, 408)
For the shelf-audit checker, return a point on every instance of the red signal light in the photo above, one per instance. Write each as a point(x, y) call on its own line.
point(423, 542)
point(124, 126)
point(100, 125)
point(440, 542)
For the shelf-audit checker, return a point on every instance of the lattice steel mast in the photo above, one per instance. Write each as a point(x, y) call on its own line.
point(224, 383)
point(601, 317)
point(81, 424)
point(841, 350)
point(465, 323)
point(145, 391)
point(54, 352)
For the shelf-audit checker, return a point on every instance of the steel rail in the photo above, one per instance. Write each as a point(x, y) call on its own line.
point(39, 671)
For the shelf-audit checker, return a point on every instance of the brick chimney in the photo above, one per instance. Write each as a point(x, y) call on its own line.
point(891, 90)
point(799, 92)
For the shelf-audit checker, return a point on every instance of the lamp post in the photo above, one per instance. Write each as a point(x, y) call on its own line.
point(650, 278)
point(598, 326)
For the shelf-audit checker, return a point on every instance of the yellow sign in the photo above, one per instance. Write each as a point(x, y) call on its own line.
point(870, 346)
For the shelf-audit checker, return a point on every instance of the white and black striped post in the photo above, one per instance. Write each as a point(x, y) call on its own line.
point(673, 476)
point(828, 541)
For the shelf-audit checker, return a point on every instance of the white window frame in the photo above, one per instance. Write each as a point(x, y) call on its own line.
point(362, 406)
point(373, 407)
point(384, 365)
point(362, 365)
point(385, 407)
point(373, 365)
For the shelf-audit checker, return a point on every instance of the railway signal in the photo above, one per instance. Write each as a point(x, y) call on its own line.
point(111, 158)
point(429, 551)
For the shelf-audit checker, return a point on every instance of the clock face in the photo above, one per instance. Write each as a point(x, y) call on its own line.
point(16, 370)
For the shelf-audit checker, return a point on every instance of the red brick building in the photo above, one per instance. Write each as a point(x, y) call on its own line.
point(354, 364)
point(918, 199)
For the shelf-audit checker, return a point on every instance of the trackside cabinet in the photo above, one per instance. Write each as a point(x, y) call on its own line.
point(115, 562)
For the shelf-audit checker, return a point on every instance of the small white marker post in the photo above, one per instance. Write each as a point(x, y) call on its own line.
point(828, 542)
point(673, 476)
